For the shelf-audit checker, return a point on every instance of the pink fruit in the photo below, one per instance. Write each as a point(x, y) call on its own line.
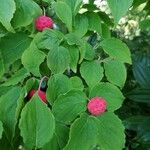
point(40, 93)
point(31, 93)
point(43, 22)
point(96, 106)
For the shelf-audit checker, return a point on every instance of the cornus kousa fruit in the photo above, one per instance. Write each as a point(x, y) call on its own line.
point(96, 106)
point(43, 22)
point(40, 93)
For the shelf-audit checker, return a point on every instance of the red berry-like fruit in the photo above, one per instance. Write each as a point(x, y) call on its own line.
point(96, 106)
point(31, 93)
point(43, 22)
point(40, 93)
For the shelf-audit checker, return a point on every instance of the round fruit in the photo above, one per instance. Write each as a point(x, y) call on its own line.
point(43, 22)
point(40, 93)
point(96, 106)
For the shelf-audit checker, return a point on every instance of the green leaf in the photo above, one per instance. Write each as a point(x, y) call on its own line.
point(20, 102)
point(32, 58)
point(63, 11)
point(11, 52)
point(16, 66)
point(81, 25)
point(105, 31)
point(8, 104)
point(92, 72)
point(37, 123)
point(60, 137)
point(77, 83)
point(58, 84)
point(74, 5)
point(83, 133)
point(106, 18)
point(1, 129)
point(17, 77)
point(2, 68)
point(93, 132)
point(110, 93)
point(68, 106)
point(7, 9)
point(119, 8)
point(26, 12)
point(145, 24)
point(73, 39)
point(4, 89)
point(116, 49)
point(110, 126)
point(4, 143)
point(74, 58)
point(89, 52)
point(82, 50)
point(58, 59)
point(115, 72)
point(48, 39)
point(94, 22)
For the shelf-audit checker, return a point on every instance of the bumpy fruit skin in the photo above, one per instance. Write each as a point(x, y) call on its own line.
point(43, 22)
point(40, 93)
point(96, 106)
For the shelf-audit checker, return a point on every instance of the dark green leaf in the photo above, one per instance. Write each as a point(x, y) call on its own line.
point(1, 129)
point(58, 59)
point(60, 138)
point(77, 83)
point(68, 106)
point(92, 72)
point(73, 39)
point(11, 52)
point(145, 24)
point(110, 126)
point(32, 58)
point(89, 52)
point(58, 84)
point(63, 11)
point(17, 77)
point(37, 123)
point(116, 49)
point(115, 72)
point(74, 5)
point(8, 105)
point(119, 8)
point(74, 58)
point(83, 133)
point(48, 39)
point(105, 31)
point(2, 68)
point(110, 93)
point(7, 9)
point(81, 25)
point(94, 22)
point(26, 13)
